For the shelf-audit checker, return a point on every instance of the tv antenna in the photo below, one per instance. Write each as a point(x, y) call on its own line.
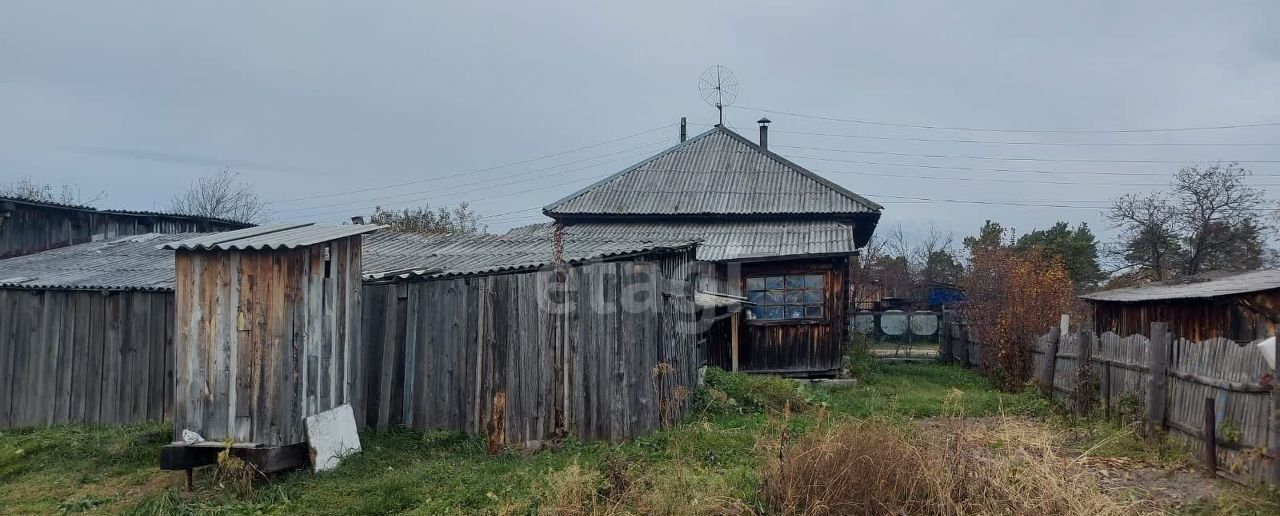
point(719, 87)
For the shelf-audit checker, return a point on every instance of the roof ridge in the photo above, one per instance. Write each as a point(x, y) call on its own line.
point(730, 154)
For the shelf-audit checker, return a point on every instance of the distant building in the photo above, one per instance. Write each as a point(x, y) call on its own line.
point(32, 226)
point(770, 231)
point(1238, 306)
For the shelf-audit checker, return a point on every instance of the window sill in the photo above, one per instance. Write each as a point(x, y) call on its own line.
point(787, 322)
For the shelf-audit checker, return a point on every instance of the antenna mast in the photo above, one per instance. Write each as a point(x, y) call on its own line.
point(719, 87)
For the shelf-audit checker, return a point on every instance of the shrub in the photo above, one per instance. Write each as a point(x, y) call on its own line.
point(759, 393)
point(619, 486)
point(858, 361)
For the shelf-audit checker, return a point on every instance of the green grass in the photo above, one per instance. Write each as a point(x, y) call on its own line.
point(113, 469)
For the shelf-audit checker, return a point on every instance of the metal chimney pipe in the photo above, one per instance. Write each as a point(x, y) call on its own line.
point(357, 220)
point(684, 129)
point(764, 132)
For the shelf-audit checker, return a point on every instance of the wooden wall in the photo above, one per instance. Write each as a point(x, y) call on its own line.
point(490, 355)
point(31, 228)
point(1241, 317)
point(84, 357)
point(800, 348)
point(264, 339)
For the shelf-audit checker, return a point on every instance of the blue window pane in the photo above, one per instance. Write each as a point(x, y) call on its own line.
point(773, 297)
point(772, 312)
point(773, 282)
point(755, 296)
point(813, 312)
point(755, 283)
point(812, 296)
point(795, 281)
point(813, 281)
point(793, 297)
point(795, 311)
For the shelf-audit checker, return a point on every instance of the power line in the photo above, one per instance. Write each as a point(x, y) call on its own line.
point(981, 169)
point(1055, 144)
point(506, 180)
point(999, 158)
point(475, 171)
point(999, 130)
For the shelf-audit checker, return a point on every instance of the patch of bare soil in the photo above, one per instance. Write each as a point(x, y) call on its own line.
point(1165, 488)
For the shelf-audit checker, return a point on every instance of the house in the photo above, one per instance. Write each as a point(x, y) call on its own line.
point(28, 226)
point(1239, 306)
point(769, 231)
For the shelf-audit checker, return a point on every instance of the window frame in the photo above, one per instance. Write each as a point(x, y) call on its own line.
point(824, 279)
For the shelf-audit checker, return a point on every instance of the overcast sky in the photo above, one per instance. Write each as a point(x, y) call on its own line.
point(331, 109)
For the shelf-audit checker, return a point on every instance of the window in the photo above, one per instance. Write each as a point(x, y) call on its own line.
point(789, 296)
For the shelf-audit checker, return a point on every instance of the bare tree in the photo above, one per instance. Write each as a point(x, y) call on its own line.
point(1149, 239)
point(28, 188)
point(223, 195)
point(459, 220)
point(1210, 219)
point(1220, 214)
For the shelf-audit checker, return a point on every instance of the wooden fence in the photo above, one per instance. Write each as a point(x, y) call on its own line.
point(487, 354)
point(1215, 395)
point(71, 356)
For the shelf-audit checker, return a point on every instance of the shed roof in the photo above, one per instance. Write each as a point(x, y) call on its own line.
point(403, 255)
point(1202, 286)
point(718, 172)
point(277, 236)
point(129, 263)
point(724, 241)
point(131, 213)
point(145, 262)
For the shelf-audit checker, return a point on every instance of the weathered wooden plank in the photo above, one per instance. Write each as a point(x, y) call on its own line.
point(8, 344)
point(1158, 362)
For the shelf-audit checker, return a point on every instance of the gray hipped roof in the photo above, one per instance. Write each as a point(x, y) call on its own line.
point(724, 241)
point(718, 172)
point(1202, 286)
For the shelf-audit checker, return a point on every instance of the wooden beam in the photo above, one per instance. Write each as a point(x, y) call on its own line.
point(733, 337)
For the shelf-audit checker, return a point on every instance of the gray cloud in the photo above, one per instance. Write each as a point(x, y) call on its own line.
point(332, 99)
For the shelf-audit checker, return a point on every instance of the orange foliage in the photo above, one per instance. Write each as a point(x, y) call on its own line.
point(1012, 296)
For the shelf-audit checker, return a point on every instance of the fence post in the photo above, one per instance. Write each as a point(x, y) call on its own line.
point(944, 339)
point(1050, 361)
point(1210, 436)
point(1106, 390)
point(1084, 368)
point(1158, 363)
point(1274, 439)
point(962, 350)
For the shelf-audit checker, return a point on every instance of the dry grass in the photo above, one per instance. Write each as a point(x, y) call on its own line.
point(619, 487)
point(957, 467)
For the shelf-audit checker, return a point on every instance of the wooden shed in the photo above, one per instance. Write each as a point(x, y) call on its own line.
point(485, 334)
point(86, 334)
point(28, 226)
point(1241, 306)
point(770, 231)
point(266, 330)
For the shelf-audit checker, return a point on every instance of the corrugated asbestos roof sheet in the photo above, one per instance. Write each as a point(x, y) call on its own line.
point(403, 255)
point(1202, 287)
point(724, 241)
point(146, 262)
point(129, 263)
point(716, 172)
point(135, 213)
point(278, 236)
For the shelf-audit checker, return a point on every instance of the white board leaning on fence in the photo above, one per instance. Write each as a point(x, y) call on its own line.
point(331, 436)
